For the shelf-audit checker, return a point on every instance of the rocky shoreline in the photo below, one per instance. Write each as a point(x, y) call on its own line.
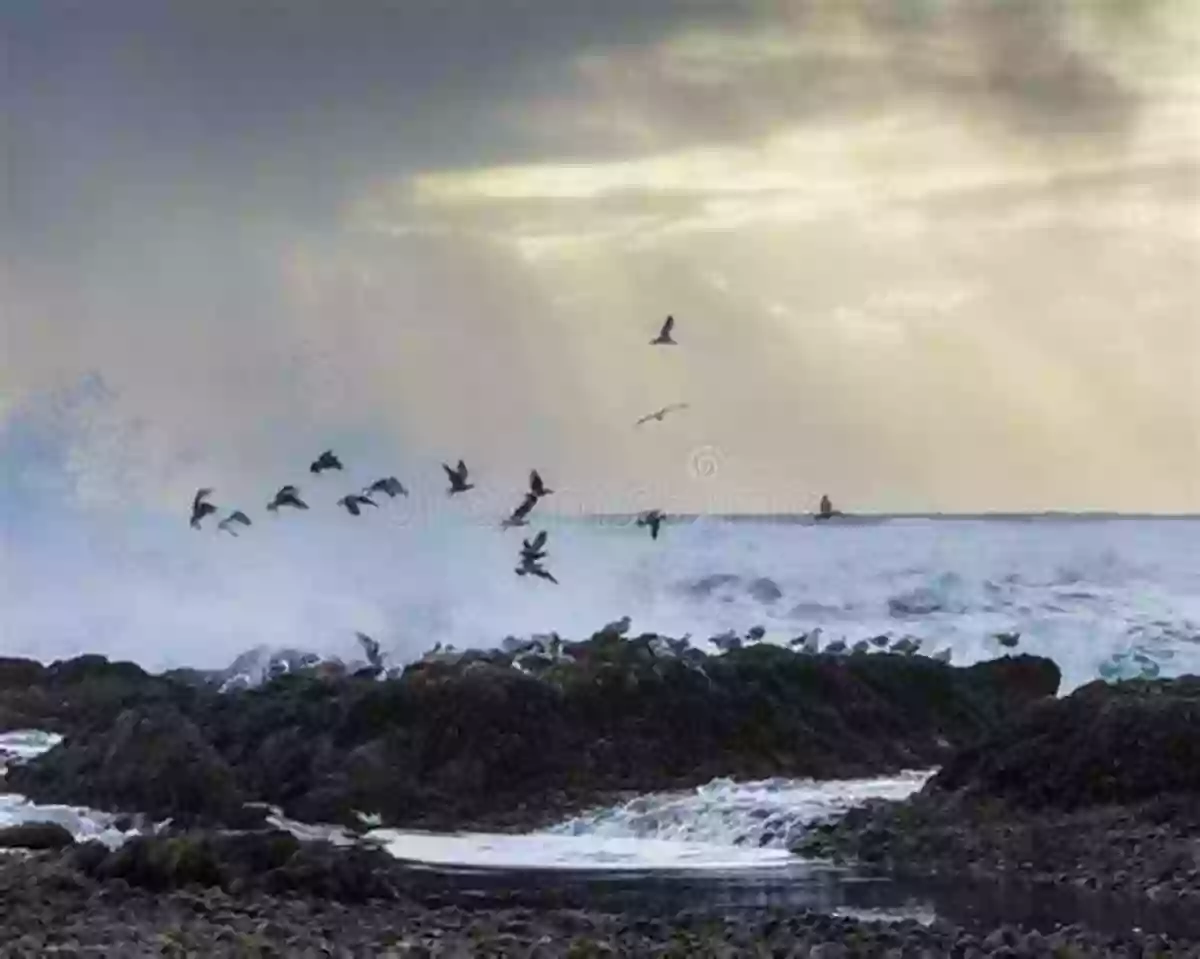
point(271, 896)
point(1098, 791)
point(1093, 793)
point(486, 741)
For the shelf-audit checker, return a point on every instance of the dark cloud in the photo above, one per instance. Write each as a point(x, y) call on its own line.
point(241, 105)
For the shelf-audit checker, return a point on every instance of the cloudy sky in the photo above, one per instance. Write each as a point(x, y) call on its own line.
point(923, 254)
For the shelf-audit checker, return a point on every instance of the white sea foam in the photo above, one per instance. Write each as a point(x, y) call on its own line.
point(768, 814)
point(721, 826)
point(1100, 596)
point(84, 824)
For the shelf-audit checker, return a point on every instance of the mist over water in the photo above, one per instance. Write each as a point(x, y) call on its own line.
point(432, 568)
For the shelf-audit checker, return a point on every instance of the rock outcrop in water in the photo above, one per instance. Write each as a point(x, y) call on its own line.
point(1098, 790)
point(474, 740)
point(1104, 744)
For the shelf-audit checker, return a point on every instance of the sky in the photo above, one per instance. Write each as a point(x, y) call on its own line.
point(924, 255)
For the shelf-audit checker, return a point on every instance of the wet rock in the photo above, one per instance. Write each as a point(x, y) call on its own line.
point(35, 835)
point(1102, 744)
point(156, 761)
point(475, 741)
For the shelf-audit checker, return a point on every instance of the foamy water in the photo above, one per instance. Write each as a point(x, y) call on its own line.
point(84, 824)
point(721, 826)
point(1100, 596)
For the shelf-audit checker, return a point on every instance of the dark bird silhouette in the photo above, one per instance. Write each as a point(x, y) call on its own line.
point(237, 516)
point(389, 485)
point(200, 508)
point(518, 515)
point(664, 335)
point(536, 486)
point(534, 548)
point(354, 501)
point(458, 478)
point(659, 414)
point(326, 461)
point(535, 569)
point(287, 496)
point(652, 518)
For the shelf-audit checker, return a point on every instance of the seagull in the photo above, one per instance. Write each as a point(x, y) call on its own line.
point(533, 567)
point(518, 515)
point(659, 414)
point(1007, 640)
point(653, 518)
point(389, 485)
point(534, 549)
point(351, 503)
point(200, 508)
point(326, 461)
point(664, 335)
point(536, 486)
point(237, 516)
point(287, 496)
point(458, 478)
point(371, 649)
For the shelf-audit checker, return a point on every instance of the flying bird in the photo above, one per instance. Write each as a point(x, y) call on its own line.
point(389, 485)
point(534, 548)
point(536, 486)
point(653, 518)
point(664, 335)
point(326, 461)
point(536, 569)
point(458, 478)
point(353, 502)
point(200, 508)
point(287, 496)
point(237, 516)
point(659, 414)
point(518, 515)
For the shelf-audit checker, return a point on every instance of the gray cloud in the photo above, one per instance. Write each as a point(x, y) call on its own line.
point(199, 198)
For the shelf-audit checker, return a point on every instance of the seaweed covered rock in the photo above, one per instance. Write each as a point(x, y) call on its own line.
point(157, 762)
point(510, 738)
point(1103, 744)
point(35, 835)
point(273, 861)
point(77, 694)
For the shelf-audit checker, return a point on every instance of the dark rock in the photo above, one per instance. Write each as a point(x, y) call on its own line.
point(1124, 743)
point(157, 762)
point(36, 835)
point(475, 741)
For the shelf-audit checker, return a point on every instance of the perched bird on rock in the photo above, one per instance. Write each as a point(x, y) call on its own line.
point(201, 508)
point(326, 461)
point(287, 496)
point(237, 516)
point(458, 478)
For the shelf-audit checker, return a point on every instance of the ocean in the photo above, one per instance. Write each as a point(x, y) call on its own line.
point(1104, 596)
